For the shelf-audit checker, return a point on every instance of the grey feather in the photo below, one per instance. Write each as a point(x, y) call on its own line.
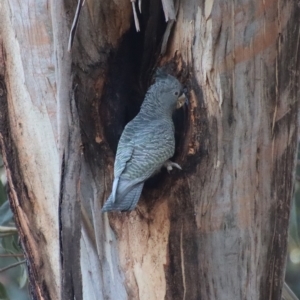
point(126, 203)
point(114, 188)
point(146, 143)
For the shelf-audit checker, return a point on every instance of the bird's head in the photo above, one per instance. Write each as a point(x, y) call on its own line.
point(167, 93)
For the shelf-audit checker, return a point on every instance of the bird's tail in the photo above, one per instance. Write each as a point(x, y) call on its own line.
point(124, 202)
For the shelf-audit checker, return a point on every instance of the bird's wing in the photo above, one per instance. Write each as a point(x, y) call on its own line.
point(141, 152)
point(124, 153)
point(125, 149)
point(152, 147)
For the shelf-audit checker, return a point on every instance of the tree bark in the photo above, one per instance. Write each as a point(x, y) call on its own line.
point(215, 230)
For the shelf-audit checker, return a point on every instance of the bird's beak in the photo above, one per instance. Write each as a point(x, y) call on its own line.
point(182, 99)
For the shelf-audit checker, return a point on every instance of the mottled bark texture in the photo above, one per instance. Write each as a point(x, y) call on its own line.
point(215, 230)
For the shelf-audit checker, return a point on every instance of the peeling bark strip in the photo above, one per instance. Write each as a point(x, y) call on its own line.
point(225, 213)
point(136, 19)
point(70, 161)
point(75, 24)
point(168, 7)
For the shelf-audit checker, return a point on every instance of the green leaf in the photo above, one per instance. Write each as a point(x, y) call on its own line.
point(5, 213)
point(22, 279)
point(3, 196)
point(10, 244)
point(3, 294)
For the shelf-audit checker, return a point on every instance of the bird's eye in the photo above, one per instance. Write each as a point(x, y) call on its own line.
point(176, 93)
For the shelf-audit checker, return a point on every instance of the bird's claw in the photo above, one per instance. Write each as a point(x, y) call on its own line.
point(169, 165)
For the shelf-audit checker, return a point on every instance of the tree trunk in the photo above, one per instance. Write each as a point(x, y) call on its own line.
point(215, 230)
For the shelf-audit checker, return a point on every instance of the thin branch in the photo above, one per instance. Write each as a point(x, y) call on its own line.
point(287, 293)
point(12, 255)
point(8, 229)
point(7, 234)
point(13, 265)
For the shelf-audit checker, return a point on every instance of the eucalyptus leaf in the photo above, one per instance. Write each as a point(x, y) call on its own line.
point(22, 279)
point(5, 213)
point(14, 293)
point(3, 294)
point(10, 244)
point(3, 196)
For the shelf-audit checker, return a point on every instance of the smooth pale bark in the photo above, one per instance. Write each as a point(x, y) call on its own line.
point(217, 229)
point(28, 138)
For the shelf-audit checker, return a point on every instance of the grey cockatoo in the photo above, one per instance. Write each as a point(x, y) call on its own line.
point(146, 144)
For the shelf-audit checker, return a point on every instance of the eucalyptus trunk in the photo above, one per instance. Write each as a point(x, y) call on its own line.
point(215, 230)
